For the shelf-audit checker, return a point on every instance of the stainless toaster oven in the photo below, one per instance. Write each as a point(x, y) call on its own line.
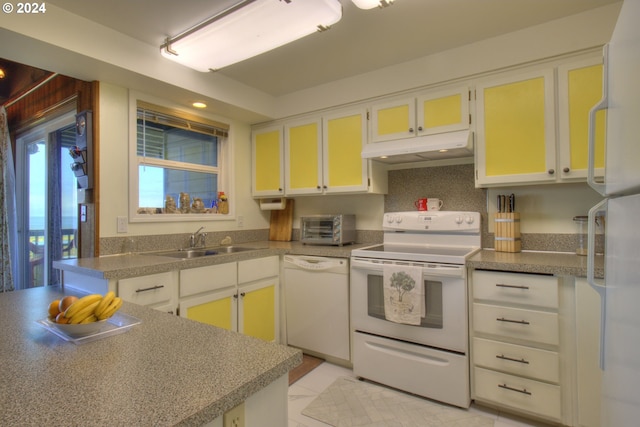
point(338, 229)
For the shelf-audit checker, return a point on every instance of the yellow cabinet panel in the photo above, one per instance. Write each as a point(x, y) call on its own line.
point(445, 110)
point(579, 90)
point(344, 135)
point(258, 313)
point(514, 128)
point(303, 157)
point(216, 313)
point(267, 162)
point(393, 120)
point(585, 91)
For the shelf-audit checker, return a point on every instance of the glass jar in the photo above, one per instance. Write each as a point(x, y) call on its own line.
point(582, 225)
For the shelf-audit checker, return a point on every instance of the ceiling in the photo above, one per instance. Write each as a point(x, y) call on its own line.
point(363, 40)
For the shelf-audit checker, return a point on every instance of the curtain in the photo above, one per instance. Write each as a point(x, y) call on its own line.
point(8, 213)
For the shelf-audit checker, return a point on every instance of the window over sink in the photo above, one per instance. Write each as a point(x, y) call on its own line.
point(179, 165)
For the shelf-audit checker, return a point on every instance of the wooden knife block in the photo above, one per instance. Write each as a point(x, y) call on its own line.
point(507, 232)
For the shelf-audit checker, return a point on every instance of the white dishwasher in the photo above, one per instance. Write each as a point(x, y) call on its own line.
point(317, 304)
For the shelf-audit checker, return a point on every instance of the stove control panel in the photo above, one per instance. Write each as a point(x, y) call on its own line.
point(434, 221)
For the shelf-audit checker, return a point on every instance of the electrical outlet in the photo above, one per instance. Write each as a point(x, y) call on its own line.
point(234, 417)
point(122, 224)
point(240, 221)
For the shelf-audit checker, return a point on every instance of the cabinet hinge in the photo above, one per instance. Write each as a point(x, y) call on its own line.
point(469, 118)
point(367, 115)
point(178, 311)
point(369, 182)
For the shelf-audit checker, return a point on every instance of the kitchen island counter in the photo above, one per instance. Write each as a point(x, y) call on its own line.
point(167, 370)
point(556, 263)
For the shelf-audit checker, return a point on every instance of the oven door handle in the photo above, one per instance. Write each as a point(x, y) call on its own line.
point(428, 269)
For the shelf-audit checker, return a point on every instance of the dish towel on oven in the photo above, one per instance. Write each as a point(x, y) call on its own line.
point(403, 294)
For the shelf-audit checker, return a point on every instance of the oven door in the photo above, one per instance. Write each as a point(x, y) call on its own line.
point(444, 325)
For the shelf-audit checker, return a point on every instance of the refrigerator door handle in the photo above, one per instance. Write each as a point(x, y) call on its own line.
point(599, 285)
point(602, 105)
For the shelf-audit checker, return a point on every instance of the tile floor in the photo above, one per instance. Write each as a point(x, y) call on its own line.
point(302, 392)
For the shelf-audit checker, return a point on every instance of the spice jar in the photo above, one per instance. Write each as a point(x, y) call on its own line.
point(582, 225)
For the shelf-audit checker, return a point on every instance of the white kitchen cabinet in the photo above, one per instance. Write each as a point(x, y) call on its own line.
point(518, 123)
point(436, 111)
point(589, 375)
point(322, 155)
point(154, 290)
point(239, 296)
point(516, 347)
point(579, 90)
point(158, 291)
point(207, 294)
point(267, 159)
point(259, 297)
point(516, 141)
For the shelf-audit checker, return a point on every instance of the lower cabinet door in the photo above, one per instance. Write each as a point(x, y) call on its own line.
point(257, 309)
point(217, 309)
point(519, 393)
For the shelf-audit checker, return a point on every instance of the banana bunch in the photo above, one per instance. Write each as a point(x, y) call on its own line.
point(90, 308)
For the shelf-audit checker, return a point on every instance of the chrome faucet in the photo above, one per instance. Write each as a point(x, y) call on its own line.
point(198, 239)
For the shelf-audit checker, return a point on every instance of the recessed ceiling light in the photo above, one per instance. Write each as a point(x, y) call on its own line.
point(199, 104)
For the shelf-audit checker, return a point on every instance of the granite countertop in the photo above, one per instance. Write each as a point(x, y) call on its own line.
point(557, 263)
point(131, 265)
point(140, 264)
point(165, 371)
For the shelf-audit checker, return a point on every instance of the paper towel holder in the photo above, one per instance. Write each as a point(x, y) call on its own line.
point(273, 204)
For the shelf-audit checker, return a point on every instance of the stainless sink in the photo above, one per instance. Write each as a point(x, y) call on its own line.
point(200, 252)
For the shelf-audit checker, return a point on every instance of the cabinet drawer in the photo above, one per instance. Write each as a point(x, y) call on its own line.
point(147, 290)
point(256, 269)
point(520, 360)
point(203, 279)
point(519, 393)
point(531, 325)
point(526, 289)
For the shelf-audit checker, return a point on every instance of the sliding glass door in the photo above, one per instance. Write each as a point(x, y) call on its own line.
point(47, 204)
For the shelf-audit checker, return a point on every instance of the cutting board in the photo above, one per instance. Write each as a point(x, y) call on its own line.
point(281, 225)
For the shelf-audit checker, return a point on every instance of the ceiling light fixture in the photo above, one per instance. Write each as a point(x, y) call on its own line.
point(199, 104)
point(370, 4)
point(2, 74)
point(247, 29)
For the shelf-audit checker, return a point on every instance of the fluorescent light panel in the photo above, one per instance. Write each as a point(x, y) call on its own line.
point(258, 27)
point(370, 4)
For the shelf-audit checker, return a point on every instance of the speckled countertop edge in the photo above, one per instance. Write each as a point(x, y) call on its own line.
point(556, 263)
point(132, 265)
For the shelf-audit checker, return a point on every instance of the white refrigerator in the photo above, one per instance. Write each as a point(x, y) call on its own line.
point(620, 185)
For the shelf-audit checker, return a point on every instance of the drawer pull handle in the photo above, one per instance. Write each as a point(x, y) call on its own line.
point(523, 391)
point(521, 322)
point(503, 357)
point(152, 288)
point(502, 285)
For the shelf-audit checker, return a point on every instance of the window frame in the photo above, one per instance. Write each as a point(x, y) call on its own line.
point(224, 168)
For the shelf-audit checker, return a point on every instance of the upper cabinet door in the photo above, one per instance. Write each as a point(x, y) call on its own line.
point(579, 90)
point(303, 156)
point(267, 157)
point(516, 129)
point(443, 111)
point(344, 135)
point(393, 120)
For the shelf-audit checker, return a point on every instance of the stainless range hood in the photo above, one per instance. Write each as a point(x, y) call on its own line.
point(421, 148)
